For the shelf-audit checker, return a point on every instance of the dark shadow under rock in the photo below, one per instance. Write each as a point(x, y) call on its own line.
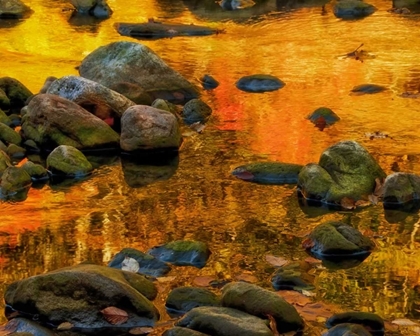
point(372, 322)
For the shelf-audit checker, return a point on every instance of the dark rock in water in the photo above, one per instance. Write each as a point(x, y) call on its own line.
point(236, 4)
point(21, 326)
point(179, 331)
point(13, 9)
point(68, 161)
point(153, 29)
point(400, 188)
point(196, 111)
point(146, 263)
point(293, 276)
point(260, 302)
point(368, 89)
point(182, 299)
point(259, 83)
point(182, 253)
point(348, 329)
point(78, 294)
point(209, 82)
point(336, 239)
point(323, 117)
point(35, 171)
point(223, 321)
point(268, 172)
point(370, 321)
point(16, 92)
point(352, 9)
point(96, 8)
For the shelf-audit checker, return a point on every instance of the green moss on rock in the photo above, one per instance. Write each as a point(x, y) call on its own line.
point(14, 179)
point(8, 135)
point(68, 161)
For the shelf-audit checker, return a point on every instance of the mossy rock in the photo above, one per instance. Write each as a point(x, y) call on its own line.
point(147, 264)
point(196, 111)
point(4, 100)
point(182, 253)
point(335, 239)
point(260, 302)
point(314, 182)
point(259, 83)
point(268, 172)
point(15, 91)
point(14, 179)
point(68, 161)
point(78, 294)
point(35, 171)
point(293, 276)
point(15, 151)
point(4, 118)
point(400, 188)
point(182, 299)
point(370, 321)
point(352, 9)
point(4, 162)
point(9, 135)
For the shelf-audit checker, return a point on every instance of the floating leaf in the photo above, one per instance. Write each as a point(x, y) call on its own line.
point(130, 265)
point(115, 315)
point(166, 279)
point(247, 278)
point(65, 326)
point(311, 260)
point(348, 203)
point(203, 281)
point(404, 322)
point(307, 293)
point(140, 330)
point(276, 261)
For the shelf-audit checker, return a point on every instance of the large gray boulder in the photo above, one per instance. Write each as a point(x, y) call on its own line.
point(13, 9)
point(79, 294)
point(93, 97)
point(144, 127)
point(52, 121)
point(261, 302)
point(137, 64)
point(345, 169)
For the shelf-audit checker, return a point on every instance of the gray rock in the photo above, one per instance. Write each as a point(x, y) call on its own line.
point(68, 161)
point(133, 92)
point(223, 321)
point(260, 302)
point(137, 64)
point(182, 299)
point(352, 9)
point(144, 127)
point(93, 97)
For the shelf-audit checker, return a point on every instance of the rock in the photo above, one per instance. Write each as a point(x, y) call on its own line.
point(31, 146)
point(182, 299)
point(35, 171)
point(259, 83)
point(15, 120)
point(335, 239)
point(182, 253)
point(162, 104)
point(68, 161)
point(4, 162)
point(3, 147)
point(5, 119)
point(323, 117)
point(400, 188)
point(144, 127)
point(78, 294)
point(268, 172)
point(20, 326)
point(148, 264)
point(13, 9)
point(223, 321)
point(96, 8)
point(48, 81)
point(352, 9)
point(209, 82)
point(15, 90)
point(15, 151)
point(52, 121)
point(293, 276)
point(93, 97)
point(179, 331)
point(348, 329)
point(152, 29)
point(406, 6)
point(346, 162)
point(370, 321)
point(4, 100)
point(133, 92)
point(13, 180)
point(260, 302)
point(9, 136)
point(236, 4)
point(367, 88)
point(136, 64)
point(196, 111)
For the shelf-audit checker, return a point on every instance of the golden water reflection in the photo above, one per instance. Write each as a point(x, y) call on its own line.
point(92, 219)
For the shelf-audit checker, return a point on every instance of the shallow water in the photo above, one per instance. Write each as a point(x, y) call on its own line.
point(194, 196)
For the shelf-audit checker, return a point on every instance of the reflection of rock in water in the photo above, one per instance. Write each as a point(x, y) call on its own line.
point(406, 213)
point(139, 172)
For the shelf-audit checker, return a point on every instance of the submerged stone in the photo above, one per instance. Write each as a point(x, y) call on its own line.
point(370, 321)
point(196, 111)
point(293, 276)
point(209, 82)
point(182, 253)
point(259, 83)
point(268, 172)
point(323, 117)
point(22, 327)
point(182, 299)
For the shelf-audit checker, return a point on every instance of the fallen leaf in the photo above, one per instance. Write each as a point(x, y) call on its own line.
point(273, 325)
point(373, 199)
point(308, 243)
point(379, 187)
point(311, 260)
point(320, 123)
point(247, 278)
point(276, 261)
point(115, 315)
point(368, 233)
point(294, 298)
point(65, 326)
point(140, 331)
point(198, 127)
point(130, 265)
point(308, 293)
point(348, 203)
point(377, 135)
point(203, 281)
point(166, 279)
point(316, 312)
point(404, 322)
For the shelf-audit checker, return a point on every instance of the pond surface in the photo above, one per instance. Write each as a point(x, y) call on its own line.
point(194, 195)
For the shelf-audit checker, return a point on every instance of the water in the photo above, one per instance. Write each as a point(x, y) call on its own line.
point(194, 196)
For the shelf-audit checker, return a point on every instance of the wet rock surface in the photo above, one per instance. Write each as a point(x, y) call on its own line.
point(182, 299)
point(372, 322)
point(259, 83)
point(68, 161)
